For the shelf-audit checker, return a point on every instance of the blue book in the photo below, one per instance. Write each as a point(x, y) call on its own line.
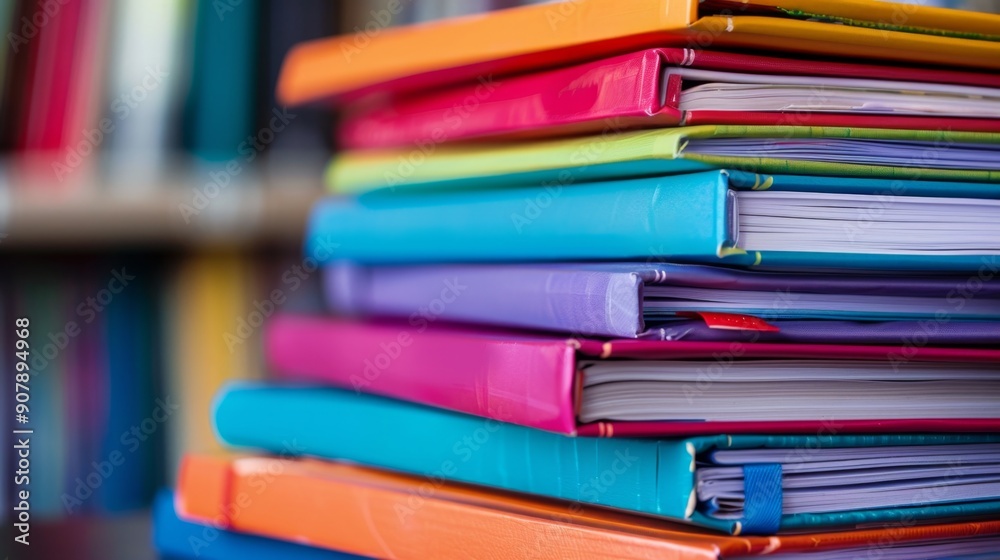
point(175, 538)
point(737, 484)
point(723, 217)
point(7, 397)
point(135, 412)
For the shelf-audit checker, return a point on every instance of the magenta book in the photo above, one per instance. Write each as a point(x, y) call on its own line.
point(645, 387)
point(671, 87)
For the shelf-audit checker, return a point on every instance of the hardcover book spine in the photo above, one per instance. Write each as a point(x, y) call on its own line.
point(682, 217)
point(455, 50)
point(529, 382)
point(386, 516)
point(580, 302)
point(623, 91)
point(422, 441)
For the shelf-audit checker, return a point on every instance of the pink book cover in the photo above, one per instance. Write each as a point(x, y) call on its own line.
point(620, 93)
point(50, 126)
point(533, 380)
point(50, 100)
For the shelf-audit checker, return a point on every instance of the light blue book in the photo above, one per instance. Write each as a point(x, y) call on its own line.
point(737, 484)
point(722, 217)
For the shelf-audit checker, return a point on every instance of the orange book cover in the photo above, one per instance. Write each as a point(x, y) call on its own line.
point(549, 34)
point(385, 515)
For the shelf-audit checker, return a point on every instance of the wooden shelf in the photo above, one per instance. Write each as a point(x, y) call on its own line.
point(240, 215)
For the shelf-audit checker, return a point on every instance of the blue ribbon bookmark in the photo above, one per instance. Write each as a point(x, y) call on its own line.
point(762, 499)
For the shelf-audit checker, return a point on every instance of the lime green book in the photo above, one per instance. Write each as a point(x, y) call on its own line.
point(796, 150)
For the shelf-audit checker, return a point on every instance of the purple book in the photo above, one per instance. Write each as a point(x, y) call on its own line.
point(673, 301)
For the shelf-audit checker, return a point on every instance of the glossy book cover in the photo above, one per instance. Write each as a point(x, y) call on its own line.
point(388, 515)
point(663, 87)
point(422, 56)
point(674, 301)
point(715, 217)
point(837, 151)
point(660, 477)
point(539, 380)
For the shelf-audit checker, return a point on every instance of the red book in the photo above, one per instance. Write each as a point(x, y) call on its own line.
point(51, 79)
point(672, 87)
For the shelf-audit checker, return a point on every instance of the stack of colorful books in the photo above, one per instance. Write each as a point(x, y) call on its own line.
point(605, 285)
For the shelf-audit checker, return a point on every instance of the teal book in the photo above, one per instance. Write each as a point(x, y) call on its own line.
point(737, 484)
point(219, 113)
point(716, 217)
point(40, 298)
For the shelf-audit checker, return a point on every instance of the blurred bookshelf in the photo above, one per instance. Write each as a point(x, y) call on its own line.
point(251, 215)
point(152, 192)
